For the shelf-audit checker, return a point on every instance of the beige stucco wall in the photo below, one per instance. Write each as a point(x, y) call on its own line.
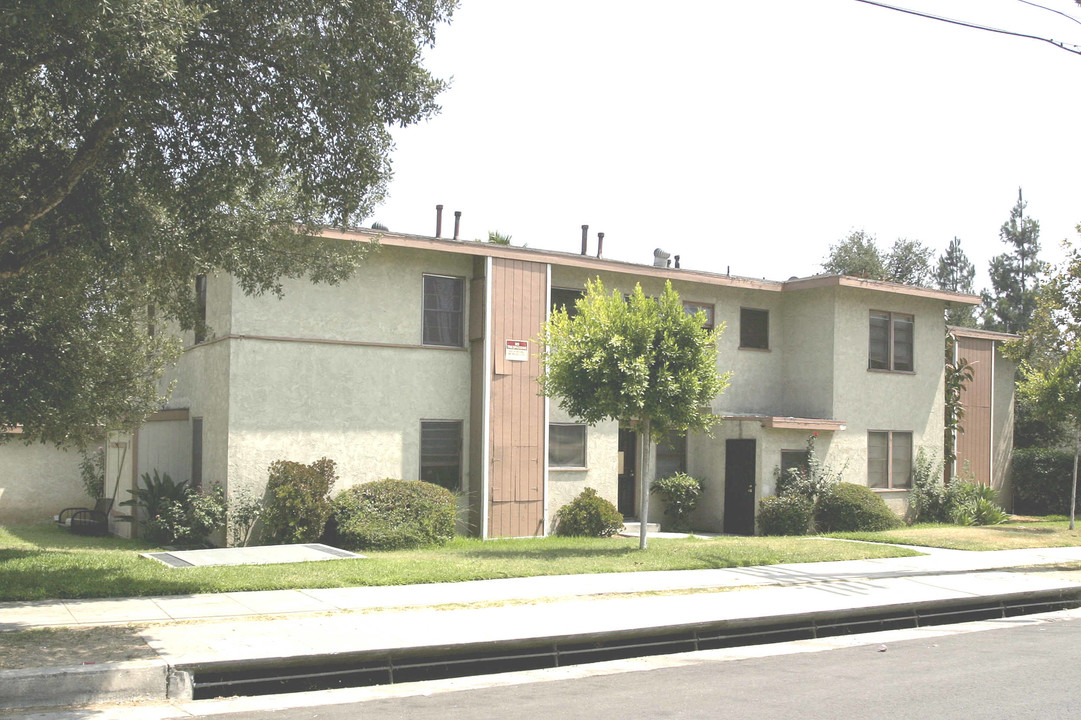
point(349, 394)
point(601, 473)
point(38, 481)
point(1002, 419)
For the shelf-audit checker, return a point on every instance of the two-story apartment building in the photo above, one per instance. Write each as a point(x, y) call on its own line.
point(424, 366)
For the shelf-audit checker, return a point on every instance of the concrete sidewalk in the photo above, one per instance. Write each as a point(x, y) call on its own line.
point(307, 626)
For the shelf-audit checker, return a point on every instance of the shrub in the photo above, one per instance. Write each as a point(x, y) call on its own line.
point(394, 514)
point(92, 471)
point(1042, 480)
point(298, 501)
point(245, 508)
point(809, 482)
point(853, 508)
point(784, 515)
point(680, 494)
point(588, 515)
point(976, 504)
point(156, 494)
point(191, 519)
point(931, 499)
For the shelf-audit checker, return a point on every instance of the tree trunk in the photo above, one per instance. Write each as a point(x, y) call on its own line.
point(643, 481)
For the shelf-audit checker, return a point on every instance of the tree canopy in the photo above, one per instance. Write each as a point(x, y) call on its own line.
point(637, 359)
point(150, 141)
point(955, 273)
point(907, 262)
point(1015, 274)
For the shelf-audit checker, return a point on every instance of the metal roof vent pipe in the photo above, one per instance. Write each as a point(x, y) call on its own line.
point(676, 258)
point(585, 237)
point(660, 258)
point(600, 243)
point(457, 222)
point(439, 221)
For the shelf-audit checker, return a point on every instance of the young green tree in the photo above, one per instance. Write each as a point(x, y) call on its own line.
point(1054, 391)
point(150, 141)
point(1015, 274)
point(955, 273)
point(642, 360)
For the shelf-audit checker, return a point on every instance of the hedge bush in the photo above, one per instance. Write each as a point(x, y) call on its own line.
point(1041, 481)
point(680, 494)
point(298, 501)
point(853, 508)
point(784, 515)
point(975, 504)
point(394, 514)
point(588, 515)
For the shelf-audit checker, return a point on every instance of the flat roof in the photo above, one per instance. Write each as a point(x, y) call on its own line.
point(566, 259)
point(958, 331)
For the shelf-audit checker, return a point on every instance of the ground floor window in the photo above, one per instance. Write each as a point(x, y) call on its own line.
point(566, 445)
point(794, 460)
point(672, 455)
point(889, 460)
point(441, 453)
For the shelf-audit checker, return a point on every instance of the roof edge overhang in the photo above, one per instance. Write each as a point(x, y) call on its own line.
point(958, 331)
point(566, 259)
point(777, 422)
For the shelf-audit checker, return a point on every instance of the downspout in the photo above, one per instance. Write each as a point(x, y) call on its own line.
point(544, 445)
point(486, 423)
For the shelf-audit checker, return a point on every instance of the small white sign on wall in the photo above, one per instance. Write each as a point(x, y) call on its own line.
point(517, 351)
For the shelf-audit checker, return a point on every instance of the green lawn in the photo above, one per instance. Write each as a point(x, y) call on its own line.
point(43, 561)
point(1017, 533)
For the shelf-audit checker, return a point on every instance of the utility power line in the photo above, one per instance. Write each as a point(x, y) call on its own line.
point(1068, 47)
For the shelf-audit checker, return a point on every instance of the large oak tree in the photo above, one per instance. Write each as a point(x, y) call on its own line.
point(145, 142)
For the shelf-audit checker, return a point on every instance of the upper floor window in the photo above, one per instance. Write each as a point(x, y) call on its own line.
point(889, 460)
point(891, 346)
point(444, 310)
point(754, 329)
point(567, 299)
point(692, 307)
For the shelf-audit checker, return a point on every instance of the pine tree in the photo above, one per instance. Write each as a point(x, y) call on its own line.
point(955, 273)
point(1009, 305)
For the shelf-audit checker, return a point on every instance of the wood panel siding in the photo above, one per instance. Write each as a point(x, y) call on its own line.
point(974, 444)
point(516, 433)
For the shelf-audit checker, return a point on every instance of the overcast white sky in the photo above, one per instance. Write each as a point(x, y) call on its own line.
point(746, 133)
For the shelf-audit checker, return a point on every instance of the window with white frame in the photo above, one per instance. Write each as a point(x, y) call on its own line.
point(441, 453)
point(566, 445)
point(889, 460)
point(692, 307)
point(444, 310)
point(890, 344)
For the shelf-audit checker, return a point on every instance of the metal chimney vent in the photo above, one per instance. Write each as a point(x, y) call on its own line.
point(660, 258)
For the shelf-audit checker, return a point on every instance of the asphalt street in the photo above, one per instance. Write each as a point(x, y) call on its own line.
point(1025, 670)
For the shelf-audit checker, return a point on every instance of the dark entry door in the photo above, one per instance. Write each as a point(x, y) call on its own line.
point(628, 478)
point(739, 465)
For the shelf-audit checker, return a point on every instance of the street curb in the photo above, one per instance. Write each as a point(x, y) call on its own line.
point(81, 684)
